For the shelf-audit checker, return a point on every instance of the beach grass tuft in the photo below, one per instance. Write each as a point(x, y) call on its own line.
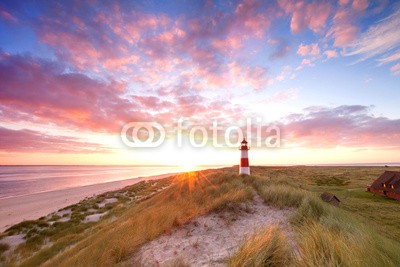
point(267, 247)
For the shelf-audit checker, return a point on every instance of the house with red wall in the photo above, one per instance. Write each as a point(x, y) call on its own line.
point(388, 184)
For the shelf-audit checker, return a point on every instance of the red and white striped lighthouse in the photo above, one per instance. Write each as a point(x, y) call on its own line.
point(244, 158)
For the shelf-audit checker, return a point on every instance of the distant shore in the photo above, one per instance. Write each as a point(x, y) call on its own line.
point(14, 210)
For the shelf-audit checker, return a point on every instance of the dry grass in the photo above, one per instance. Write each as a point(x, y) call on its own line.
point(324, 235)
point(343, 242)
point(46, 238)
point(267, 247)
point(188, 197)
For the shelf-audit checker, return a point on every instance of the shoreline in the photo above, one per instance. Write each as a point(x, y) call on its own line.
point(16, 209)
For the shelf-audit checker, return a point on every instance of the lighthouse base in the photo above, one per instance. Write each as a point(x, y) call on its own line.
point(244, 170)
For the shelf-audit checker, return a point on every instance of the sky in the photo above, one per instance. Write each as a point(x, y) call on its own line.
point(182, 82)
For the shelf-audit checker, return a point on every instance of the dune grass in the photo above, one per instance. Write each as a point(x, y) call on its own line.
point(47, 236)
point(3, 248)
point(321, 235)
point(326, 235)
point(189, 196)
point(267, 247)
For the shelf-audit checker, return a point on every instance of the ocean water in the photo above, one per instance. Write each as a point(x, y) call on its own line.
point(25, 180)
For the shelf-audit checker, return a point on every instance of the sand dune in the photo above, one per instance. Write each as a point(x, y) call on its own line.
point(210, 239)
point(16, 209)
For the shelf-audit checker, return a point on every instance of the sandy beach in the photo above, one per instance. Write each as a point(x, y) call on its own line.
point(29, 207)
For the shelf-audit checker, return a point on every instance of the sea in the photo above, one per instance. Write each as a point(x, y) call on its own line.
point(26, 180)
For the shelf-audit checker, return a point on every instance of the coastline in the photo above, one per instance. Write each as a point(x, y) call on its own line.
point(14, 210)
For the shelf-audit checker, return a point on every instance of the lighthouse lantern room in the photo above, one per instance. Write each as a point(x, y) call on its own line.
point(244, 158)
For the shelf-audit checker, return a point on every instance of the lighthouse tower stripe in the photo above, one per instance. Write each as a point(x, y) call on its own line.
point(244, 162)
point(244, 170)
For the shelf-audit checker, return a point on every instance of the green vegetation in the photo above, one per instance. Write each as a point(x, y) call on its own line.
point(321, 235)
point(326, 235)
point(331, 181)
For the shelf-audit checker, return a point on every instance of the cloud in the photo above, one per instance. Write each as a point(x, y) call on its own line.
point(360, 5)
point(121, 39)
point(331, 53)
point(242, 76)
point(282, 96)
point(251, 17)
point(282, 48)
point(306, 15)
point(6, 15)
point(35, 91)
point(47, 93)
point(32, 141)
point(395, 69)
point(305, 62)
point(389, 58)
point(343, 31)
point(350, 126)
point(344, 2)
point(101, 41)
point(381, 39)
point(285, 73)
point(231, 43)
point(308, 50)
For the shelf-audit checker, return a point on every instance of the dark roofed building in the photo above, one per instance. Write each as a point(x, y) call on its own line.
point(330, 198)
point(388, 184)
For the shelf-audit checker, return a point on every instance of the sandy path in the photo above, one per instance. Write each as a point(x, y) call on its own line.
point(16, 209)
point(209, 240)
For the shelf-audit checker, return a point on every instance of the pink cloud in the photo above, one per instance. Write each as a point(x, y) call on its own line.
point(228, 44)
point(38, 91)
point(41, 89)
point(286, 72)
point(256, 76)
point(331, 53)
point(249, 16)
point(344, 2)
point(101, 41)
point(282, 48)
point(305, 62)
point(152, 102)
point(308, 50)
point(351, 126)
point(154, 50)
point(343, 31)
point(283, 96)
point(360, 5)
point(306, 15)
point(7, 16)
point(395, 69)
point(33, 141)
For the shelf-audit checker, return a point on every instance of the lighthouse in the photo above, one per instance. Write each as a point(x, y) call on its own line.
point(244, 158)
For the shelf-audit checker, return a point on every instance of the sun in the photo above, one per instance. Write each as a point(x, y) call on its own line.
point(188, 166)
